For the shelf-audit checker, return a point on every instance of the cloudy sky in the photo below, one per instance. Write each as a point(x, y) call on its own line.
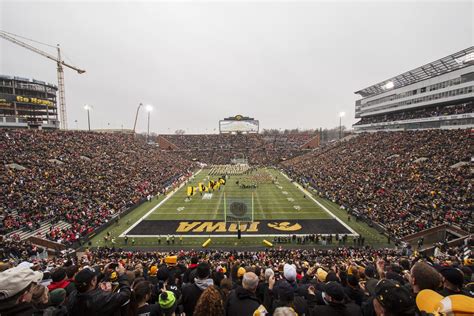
point(288, 64)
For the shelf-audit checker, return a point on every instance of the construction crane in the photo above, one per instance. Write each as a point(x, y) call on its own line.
point(60, 63)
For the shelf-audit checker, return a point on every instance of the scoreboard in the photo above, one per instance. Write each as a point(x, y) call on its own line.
point(238, 124)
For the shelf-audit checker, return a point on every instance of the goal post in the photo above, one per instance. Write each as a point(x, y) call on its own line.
point(239, 208)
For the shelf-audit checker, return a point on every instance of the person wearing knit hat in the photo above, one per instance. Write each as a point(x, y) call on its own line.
point(167, 302)
point(453, 281)
point(268, 273)
point(321, 274)
point(56, 301)
point(171, 260)
point(430, 302)
point(289, 272)
point(153, 270)
point(289, 280)
point(240, 272)
point(57, 297)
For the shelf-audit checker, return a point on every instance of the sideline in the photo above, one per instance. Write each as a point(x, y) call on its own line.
point(354, 233)
point(156, 206)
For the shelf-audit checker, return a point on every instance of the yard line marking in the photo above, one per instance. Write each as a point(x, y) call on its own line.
point(209, 214)
point(354, 233)
point(216, 211)
point(156, 206)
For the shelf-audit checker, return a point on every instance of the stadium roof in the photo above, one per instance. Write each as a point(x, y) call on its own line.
point(449, 63)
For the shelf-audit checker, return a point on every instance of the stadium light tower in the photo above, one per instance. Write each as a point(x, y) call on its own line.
point(88, 108)
point(136, 117)
point(341, 115)
point(148, 108)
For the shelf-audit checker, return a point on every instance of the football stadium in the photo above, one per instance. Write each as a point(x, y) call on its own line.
point(242, 213)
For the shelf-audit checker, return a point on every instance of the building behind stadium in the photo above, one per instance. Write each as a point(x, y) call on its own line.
point(439, 94)
point(27, 103)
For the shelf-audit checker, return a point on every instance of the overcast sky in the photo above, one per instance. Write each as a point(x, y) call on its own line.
point(287, 64)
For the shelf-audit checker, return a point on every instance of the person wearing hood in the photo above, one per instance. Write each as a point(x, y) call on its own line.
point(190, 293)
point(243, 301)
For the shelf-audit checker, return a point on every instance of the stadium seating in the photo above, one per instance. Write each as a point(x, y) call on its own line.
point(77, 178)
point(65, 184)
point(416, 114)
point(260, 149)
point(406, 181)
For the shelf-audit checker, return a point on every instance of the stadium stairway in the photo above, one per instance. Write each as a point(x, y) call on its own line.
point(24, 234)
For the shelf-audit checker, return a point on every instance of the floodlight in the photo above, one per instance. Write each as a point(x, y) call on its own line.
point(389, 85)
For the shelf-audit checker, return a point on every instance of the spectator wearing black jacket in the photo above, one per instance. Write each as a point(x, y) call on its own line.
point(393, 299)
point(60, 281)
point(90, 300)
point(190, 272)
point(191, 292)
point(335, 302)
point(287, 297)
point(243, 301)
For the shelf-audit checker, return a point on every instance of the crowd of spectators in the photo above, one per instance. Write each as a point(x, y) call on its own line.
point(339, 281)
point(421, 113)
point(81, 178)
point(258, 149)
point(406, 181)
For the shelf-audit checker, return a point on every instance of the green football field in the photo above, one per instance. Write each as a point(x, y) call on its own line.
point(270, 201)
point(278, 207)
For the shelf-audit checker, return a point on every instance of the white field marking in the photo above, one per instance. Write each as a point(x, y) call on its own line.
point(207, 196)
point(287, 212)
point(354, 233)
point(179, 209)
point(284, 192)
point(156, 206)
point(207, 235)
point(262, 211)
point(290, 199)
point(297, 207)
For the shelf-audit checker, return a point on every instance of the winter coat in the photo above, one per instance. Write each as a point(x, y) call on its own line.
point(241, 302)
point(98, 302)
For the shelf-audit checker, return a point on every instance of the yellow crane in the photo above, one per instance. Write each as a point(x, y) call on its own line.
point(59, 62)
